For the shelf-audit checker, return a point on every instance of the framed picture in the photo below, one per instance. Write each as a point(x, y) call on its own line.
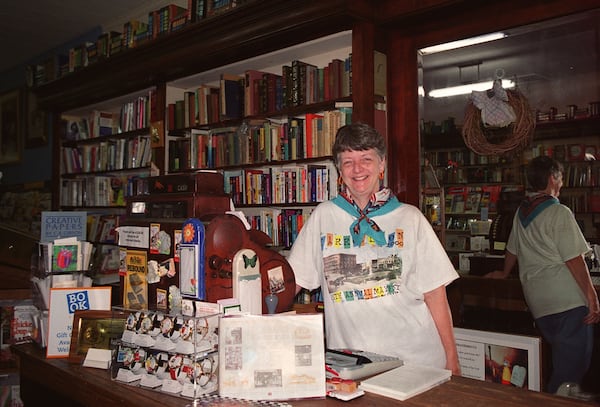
point(500, 358)
point(36, 131)
point(11, 136)
point(94, 329)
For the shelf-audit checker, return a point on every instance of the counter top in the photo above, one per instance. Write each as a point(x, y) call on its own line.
point(44, 381)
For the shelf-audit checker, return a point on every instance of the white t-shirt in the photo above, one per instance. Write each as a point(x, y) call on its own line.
point(373, 296)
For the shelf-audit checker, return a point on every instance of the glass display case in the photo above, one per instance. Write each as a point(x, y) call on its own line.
point(168, 351)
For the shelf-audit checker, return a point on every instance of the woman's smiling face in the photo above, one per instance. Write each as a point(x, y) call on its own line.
point(360, 172)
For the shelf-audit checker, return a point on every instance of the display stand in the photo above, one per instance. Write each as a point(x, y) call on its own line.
point(168, 352)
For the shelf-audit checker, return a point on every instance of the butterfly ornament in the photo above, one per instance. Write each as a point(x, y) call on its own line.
point(247, 286)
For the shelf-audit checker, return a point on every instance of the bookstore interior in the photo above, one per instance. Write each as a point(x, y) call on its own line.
point(150, 267)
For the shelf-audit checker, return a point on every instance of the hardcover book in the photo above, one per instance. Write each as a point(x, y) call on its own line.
point(231, 96)
point(251, 94)
point(196, 10)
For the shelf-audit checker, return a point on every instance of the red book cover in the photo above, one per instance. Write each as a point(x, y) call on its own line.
point(201, 147)
point(310, 118)
point(250, 96)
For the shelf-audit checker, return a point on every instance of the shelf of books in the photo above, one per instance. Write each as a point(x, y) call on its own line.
point(433, 207)
point(104, 148)
point(160, 22)
point(466, 207)
point(275, 107)
point(268, 124)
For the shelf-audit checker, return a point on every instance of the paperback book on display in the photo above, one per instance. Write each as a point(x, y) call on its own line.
point(405, 381)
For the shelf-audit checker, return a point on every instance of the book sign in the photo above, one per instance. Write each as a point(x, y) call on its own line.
point(63, 304)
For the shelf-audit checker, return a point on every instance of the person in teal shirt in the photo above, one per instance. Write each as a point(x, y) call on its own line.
point(549, 247)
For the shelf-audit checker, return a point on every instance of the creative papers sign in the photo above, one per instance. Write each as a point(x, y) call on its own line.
point(61, 224)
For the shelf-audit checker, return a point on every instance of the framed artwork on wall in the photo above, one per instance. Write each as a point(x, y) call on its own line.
point(11, 128)
point(36, 130)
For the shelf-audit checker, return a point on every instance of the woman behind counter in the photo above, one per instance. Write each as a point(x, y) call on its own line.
point(380, 266)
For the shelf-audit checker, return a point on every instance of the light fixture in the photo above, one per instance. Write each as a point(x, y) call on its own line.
point(468, 88)
point(462, 43)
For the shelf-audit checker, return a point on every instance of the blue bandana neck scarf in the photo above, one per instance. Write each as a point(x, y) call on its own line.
point(381, 202)
point(533, 205)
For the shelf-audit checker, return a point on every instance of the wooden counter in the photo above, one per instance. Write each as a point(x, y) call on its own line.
point(52, 381)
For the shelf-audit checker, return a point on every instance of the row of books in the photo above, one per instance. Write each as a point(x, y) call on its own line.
point(107, 155)
point(99, 191)
point(581, 175)
point(581, 201)
point(260, 141)
point(301, 183)
point(101, 227)
point(576, 174)
point(133, 115)
point(282, 225)
point(464, 157)
point(162, 21)
point(472, 199)
point(309, 297)
point(562, 152)
point(97, 124)
point(259, 92)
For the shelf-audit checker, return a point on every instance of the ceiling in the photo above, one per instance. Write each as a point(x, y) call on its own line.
point(555, 63)
point(33, 28)
point(50, 24)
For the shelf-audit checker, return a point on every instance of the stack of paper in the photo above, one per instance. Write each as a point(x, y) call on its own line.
point(405, 381)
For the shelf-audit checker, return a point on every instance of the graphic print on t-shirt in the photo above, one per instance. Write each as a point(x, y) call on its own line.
point(374, 274)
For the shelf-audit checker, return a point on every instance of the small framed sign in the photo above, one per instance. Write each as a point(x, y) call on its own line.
point(94, 329)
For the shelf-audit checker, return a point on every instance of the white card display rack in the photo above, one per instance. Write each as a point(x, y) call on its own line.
point(168, 352)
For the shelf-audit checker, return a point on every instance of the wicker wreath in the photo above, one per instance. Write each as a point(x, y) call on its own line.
point(499, 140)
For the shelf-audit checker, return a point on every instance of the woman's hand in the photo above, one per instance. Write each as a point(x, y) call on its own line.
point(497, 274)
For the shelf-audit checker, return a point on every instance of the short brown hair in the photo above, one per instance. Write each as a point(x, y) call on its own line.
point(540, 169)
point(358, 137)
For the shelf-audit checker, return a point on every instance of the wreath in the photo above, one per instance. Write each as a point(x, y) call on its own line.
point(499, 140)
